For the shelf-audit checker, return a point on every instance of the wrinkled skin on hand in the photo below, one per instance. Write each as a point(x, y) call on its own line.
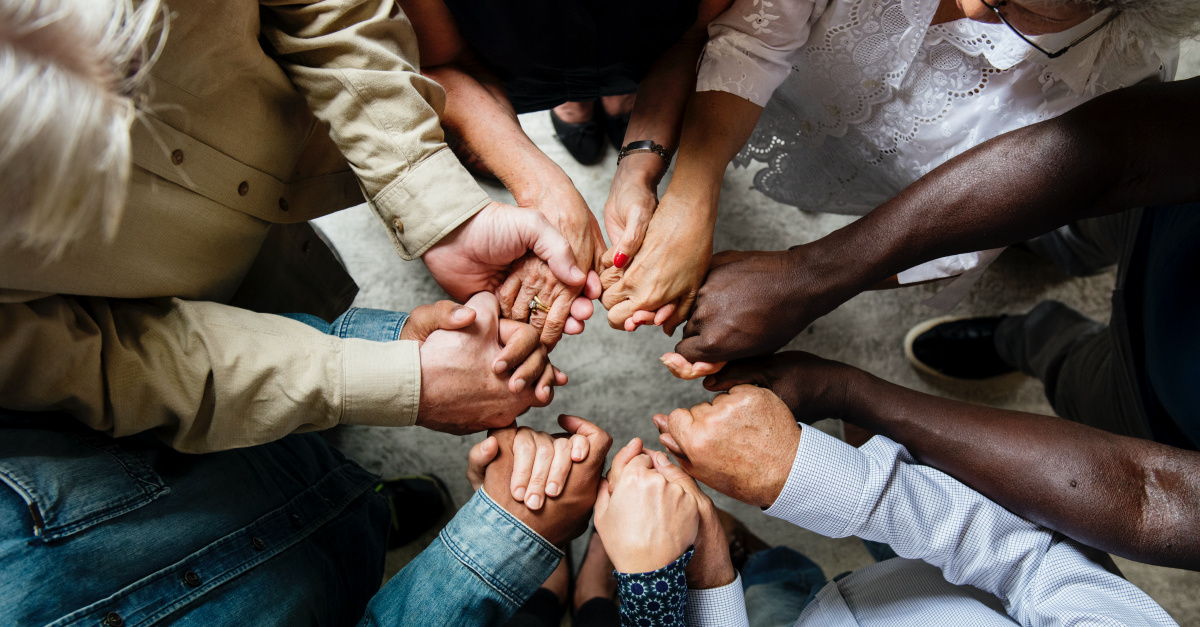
point(741, 445)
point(570, 305)
point(813, 388)
point(563, 517)
point(753, 303)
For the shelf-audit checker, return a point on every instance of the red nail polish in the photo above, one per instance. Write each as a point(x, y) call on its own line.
point(620, 259)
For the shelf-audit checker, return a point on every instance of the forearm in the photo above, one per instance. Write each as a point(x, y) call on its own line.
point(202, 376)
point(480, 114)
point(482, 567)
point(662, 97)
point(1125, 149)
point(1150, 492)
point(715, 127)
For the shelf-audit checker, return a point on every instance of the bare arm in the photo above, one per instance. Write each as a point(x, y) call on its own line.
point(1128, 148)
point(1134, 498)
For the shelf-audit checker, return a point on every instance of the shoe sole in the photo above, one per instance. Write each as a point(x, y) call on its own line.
point(925, 369)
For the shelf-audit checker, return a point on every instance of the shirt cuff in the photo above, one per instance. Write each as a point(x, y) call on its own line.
point(824, 487)
point(729, 67)
point(382, 383)
point(942, 268)
point(718, 607)
point(433, 199)
point(500, 549)
point(658, 597)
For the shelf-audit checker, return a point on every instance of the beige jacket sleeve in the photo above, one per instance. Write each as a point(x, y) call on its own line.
point(201, 375)
point(356, 63)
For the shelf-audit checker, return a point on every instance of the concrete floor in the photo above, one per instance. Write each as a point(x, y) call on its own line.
point(618, 382)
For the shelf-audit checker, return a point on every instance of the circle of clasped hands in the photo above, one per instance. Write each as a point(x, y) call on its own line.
point(648, 510)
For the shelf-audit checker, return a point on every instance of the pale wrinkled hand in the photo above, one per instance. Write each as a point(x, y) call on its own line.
point(570, 305)
point(660, 284)
point(479, 255)
point(483, 375)
point(741, 445)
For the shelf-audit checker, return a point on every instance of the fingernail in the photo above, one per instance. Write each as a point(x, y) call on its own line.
point(546, 390)
point(577, 274)
point(534, 501)
point(520, 384)
point(552, 488)
point(576, 454)
point(500, 366)
point(460, 313)
point(620, 259)
point(519, 493)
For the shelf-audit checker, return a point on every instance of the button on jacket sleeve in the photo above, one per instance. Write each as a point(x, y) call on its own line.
point(356, 64)
point(203, 376)
point(880, 493)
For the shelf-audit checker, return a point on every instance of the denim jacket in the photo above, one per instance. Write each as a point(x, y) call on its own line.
point(482, 567)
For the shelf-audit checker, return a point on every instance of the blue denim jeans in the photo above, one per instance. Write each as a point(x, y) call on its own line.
point(377, 325)
point(97, 530)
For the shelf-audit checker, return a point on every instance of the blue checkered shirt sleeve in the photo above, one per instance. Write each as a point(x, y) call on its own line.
point(879, 492)
point(717, 607)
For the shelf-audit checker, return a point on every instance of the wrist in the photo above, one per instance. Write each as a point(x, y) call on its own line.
point(860, 401)
point(530, 181)
point(642, 169)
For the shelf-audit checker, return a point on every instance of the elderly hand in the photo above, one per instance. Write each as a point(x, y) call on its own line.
point(741, 445)
point(812, 387)
point(541, 466)
point(753, 303)
point(647, 521)
point(465, 380)
point(479, 254)
point(561, 518)
point(632, 199)
point(564, 209)
point(660, 283)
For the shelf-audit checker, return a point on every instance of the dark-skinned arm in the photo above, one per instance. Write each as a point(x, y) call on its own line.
point(1129, 148)
point(1130, 497)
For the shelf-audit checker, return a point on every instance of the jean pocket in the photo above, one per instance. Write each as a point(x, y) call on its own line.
point(71, 481)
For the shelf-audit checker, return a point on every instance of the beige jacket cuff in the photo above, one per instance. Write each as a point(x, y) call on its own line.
point(382, 383)
point(433, 199)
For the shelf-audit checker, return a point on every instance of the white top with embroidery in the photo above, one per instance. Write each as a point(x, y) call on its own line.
point(863, 97)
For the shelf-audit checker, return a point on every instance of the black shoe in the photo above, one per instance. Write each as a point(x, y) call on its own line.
point(956, 348)
point(581, 140)
point(614, 125)
point(417, 504)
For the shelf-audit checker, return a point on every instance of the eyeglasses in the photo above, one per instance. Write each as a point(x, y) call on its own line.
point(1053, 55)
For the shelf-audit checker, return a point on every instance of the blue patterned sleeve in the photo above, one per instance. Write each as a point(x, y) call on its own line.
point(658, 597)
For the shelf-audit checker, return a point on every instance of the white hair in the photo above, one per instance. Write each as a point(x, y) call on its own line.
point(70, 70)
point(1151, 23)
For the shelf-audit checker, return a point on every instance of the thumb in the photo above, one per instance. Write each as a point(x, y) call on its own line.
point(442, 315)
point(547, 243)
point(742, 371)
point(478, 459)
point(630, 241)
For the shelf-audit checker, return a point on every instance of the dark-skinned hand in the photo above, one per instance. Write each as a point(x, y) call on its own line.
point(753, 303)
point(741, 445)
point(812, 387)
point(563, 517)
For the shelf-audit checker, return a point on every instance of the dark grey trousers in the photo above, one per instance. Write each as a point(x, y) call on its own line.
point(1085, 365)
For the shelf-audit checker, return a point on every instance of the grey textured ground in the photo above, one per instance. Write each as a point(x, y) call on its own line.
point(618, 382)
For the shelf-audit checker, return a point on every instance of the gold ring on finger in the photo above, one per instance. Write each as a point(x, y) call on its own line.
point(536, 304)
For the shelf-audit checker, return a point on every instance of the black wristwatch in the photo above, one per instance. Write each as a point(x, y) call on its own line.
point(644, 145)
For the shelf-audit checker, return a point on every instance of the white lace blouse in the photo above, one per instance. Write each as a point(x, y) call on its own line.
point(863, 97)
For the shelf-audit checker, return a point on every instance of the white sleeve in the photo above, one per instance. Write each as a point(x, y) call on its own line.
point(880, 493)
point(750, 46)
point(717, 607)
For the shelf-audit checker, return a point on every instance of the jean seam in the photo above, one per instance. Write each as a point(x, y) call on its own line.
point(239, 567)
point(347, 320)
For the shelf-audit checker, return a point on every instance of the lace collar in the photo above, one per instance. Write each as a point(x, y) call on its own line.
point(1003, 49)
